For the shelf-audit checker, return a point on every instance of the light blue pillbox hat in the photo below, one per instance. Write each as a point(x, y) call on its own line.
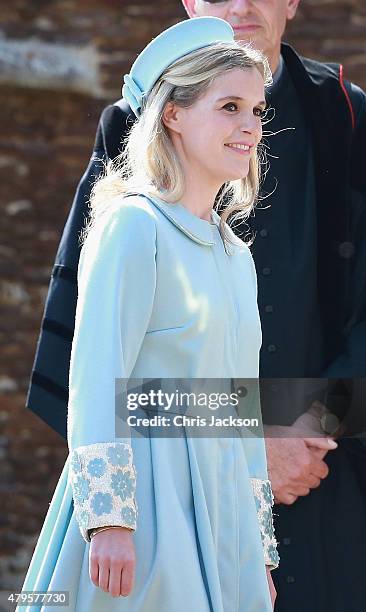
point(165, 49)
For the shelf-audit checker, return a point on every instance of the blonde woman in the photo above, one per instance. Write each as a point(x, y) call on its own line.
point(166, 290)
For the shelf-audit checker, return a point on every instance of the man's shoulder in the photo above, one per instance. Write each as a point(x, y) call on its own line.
point(327, 77)
point(118, 109)
point(114, 122)
point(122, 105)
point(354, 93)
point(318, 71)
point(358, 100)
point(325, 69)
point(337, 71)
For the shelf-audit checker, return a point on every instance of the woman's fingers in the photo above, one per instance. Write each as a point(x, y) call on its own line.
point(112, 561)
point(272, 590)
point(104, 577)
point(115, 573)
point(116, 579)
point(94, 569)
point(128, 577)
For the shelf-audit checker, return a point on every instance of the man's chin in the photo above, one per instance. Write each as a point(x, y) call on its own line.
point(255, 39)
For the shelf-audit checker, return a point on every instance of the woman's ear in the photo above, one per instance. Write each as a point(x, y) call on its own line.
point(171, 117)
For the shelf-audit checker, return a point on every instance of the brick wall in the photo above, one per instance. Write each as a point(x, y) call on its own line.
point(61, 61)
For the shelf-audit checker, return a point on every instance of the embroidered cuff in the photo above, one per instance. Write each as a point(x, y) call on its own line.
point(264, 501)
point(103, 480)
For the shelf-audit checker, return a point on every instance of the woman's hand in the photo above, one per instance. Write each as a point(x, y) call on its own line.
point(112, 561)
point(271, 586)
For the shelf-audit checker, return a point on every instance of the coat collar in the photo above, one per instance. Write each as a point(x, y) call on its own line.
point(197, 229)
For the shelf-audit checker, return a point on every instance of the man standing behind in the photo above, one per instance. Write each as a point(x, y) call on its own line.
point(308, 250)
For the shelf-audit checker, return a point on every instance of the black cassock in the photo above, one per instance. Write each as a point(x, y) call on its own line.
point(310, 253)
point(322, 538)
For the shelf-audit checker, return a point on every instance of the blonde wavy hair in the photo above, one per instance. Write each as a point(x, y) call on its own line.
point(149, 162)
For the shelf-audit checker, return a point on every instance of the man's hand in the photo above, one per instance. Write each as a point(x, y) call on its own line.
point(112, 561)
point(295, 464)
point(310, 422)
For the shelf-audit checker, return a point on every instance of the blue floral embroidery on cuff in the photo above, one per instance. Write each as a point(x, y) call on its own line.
point(118, 455)
point(123, 485)
point(96, 467)
point(102, 503)
point(257, 503)
point(267, 522)
point(103, 480)
point(273, 556)
point(264, 500)
point(81, 489)
point(267, 492)
point(84, 519)
point(75, 462)
point(128, 516)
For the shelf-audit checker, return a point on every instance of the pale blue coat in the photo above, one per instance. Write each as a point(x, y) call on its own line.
point(160, 297)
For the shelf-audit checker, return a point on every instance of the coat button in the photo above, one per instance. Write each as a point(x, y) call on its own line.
point(266, 271)
point(263, 233)
point(242, 391)
point(286, 541)
point(346, 250)
point(268, 308)
point(272, 348)
point(290, 579)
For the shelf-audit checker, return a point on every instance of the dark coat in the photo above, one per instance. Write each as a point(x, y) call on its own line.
point(318, 534)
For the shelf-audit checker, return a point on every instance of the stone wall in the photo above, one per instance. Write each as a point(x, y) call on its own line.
point(61, 62)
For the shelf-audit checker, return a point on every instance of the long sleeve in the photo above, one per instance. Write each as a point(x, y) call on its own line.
point(350, 366)
point(116, 285)
point(352, 363)
point(255, 453)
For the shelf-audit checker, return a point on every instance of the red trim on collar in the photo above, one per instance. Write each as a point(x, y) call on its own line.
point(347, 96)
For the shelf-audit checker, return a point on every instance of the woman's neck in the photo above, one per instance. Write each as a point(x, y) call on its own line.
point(199, 195)
point(198, 204)
point(201, 188)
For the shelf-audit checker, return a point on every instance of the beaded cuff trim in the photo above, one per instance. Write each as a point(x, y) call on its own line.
point(264, 501)
point(103, 480)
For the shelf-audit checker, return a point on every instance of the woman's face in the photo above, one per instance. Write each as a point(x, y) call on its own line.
point(216, 136)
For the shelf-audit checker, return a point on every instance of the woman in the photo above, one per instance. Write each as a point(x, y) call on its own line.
point(166, 290)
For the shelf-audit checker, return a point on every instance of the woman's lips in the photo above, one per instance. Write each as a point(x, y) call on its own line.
point(240, 151)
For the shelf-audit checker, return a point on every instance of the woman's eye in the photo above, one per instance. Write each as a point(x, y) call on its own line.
point(260, 112)
point(230, 106)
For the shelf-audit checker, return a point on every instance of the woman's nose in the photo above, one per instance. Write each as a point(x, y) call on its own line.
point(250, 124)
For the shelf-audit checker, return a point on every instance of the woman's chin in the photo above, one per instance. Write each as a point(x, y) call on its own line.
point(237, 176)
point(226, 175)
